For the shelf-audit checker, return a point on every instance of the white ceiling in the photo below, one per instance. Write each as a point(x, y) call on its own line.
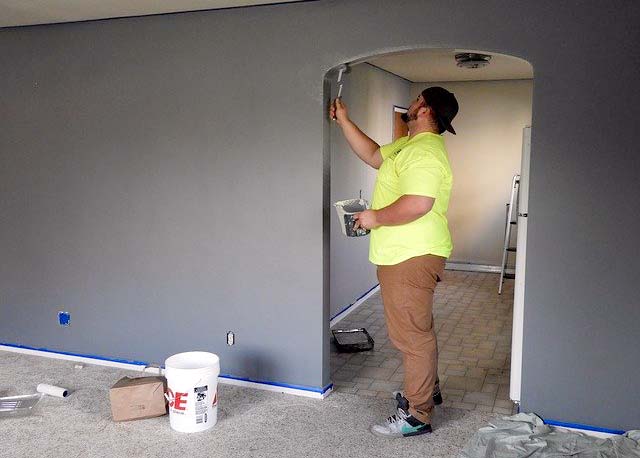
point(29, 12)
point(440, 65)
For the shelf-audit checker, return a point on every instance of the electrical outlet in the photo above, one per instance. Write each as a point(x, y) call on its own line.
point(231, 338)
point(64, 318)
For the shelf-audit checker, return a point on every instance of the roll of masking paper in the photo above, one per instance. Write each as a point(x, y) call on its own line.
point(51, 390)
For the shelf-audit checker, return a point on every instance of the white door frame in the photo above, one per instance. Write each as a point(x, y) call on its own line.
point(519, 285)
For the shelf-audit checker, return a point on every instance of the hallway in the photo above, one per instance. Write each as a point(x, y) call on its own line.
point(473, 325)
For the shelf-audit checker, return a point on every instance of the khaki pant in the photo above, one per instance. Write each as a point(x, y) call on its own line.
point(407, 293)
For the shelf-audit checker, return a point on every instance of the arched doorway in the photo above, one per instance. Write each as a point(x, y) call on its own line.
point(480, 343)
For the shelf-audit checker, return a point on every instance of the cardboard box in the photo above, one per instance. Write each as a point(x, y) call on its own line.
point(137, 398)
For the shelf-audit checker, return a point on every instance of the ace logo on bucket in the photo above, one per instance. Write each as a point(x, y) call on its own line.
point(177, 401)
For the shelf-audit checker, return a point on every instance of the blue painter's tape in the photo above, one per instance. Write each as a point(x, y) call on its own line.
point(143, 363)
point(585, 427)
point(351, 305)
point(81, 355)
point(278, 384)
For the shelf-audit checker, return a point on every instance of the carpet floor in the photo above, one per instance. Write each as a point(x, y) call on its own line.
point(251, 423)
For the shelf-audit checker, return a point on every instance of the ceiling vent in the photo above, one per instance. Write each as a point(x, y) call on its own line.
point(472, 60)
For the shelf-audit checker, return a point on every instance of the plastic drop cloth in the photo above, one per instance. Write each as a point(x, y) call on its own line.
point(525, 435)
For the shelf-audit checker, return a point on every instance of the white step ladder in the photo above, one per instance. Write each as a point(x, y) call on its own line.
point(511, 220)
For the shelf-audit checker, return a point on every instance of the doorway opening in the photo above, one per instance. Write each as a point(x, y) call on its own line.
point(479, 342)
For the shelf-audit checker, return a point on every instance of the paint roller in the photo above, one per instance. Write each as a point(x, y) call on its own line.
point(51, 390)
point(342, 69)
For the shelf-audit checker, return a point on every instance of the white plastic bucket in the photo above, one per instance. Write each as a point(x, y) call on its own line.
point(192, 390)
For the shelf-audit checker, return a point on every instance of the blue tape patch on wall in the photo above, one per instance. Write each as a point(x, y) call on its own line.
point(64, 318)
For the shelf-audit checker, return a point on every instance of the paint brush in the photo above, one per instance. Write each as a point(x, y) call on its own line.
point(342, 69)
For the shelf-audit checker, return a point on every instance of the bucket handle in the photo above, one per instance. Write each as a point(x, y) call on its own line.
point(155, 366)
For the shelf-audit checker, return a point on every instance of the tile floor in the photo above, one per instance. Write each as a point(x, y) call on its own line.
point(473, 325)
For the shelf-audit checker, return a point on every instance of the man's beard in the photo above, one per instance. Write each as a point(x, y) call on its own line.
point(406, 117)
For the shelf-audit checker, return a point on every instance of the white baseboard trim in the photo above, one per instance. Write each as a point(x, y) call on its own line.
point(277, 388)
point(588, 432)
point(155, 370)
point(351, 308)
point(469, 267)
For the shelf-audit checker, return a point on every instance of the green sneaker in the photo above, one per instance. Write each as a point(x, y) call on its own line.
point(402, 424)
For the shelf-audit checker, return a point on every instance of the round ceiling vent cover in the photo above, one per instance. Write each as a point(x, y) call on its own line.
point(472, 60)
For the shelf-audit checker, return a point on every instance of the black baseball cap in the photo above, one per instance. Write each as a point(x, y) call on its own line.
point(444, 105)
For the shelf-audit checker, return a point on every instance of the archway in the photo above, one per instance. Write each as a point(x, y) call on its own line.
point(495, 107)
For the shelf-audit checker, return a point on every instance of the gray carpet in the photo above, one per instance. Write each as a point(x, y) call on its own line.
point(251, 423)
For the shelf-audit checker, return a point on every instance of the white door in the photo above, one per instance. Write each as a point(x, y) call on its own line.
point(521, 254)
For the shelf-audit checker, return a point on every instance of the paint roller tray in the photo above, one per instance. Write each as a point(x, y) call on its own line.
point(352, 340)
point(15, 406)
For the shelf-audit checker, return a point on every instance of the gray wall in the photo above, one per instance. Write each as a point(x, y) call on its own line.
point(370, 94)
point(164, 179)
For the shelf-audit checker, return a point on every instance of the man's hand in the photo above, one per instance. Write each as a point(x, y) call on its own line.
point(366, 220)
point(338, 112)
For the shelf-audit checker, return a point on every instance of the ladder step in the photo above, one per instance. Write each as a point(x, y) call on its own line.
point(511, 211)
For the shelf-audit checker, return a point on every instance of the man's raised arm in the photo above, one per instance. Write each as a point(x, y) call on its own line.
point(365, 148)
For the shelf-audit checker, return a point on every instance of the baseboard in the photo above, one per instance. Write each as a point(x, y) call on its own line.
point(309, 392)
point(141, 366)
point(352, 307)
point(470, 267)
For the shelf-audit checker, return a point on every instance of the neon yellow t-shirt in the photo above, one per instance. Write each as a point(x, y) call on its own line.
point(417, 166)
